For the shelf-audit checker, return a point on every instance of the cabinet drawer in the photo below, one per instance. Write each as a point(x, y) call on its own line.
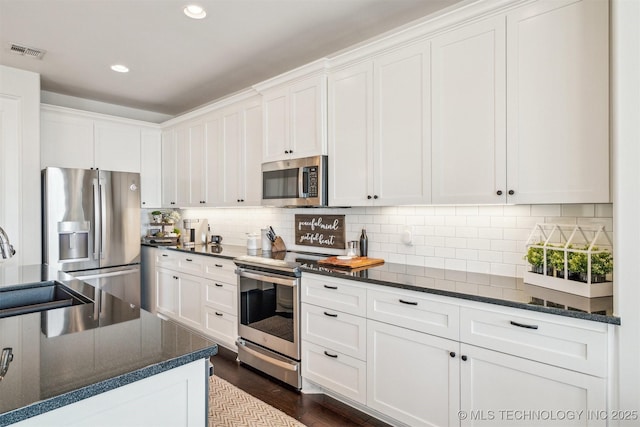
point(335, 371)
point(335, 294)
point(222, 327)
point(167, 259)
point(414, 310)
point(332, 329)
point(574, 344)
point(191, 264)
point(220, 269)
point(221, 296)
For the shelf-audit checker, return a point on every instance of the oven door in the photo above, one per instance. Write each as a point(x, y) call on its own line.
point(269, 311)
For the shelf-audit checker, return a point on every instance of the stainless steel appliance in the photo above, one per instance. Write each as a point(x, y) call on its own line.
point(91, 223)
point(195, 232)
point(295, 182)
point(269, 316)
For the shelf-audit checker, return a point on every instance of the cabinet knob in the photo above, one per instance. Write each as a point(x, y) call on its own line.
point(368, 196)
point(175, 277)
point(452, 354)
point(463, 357)
point(286, 151)
point(375, 196)
point(511, 192)
point(499, 192)
point(144, 203)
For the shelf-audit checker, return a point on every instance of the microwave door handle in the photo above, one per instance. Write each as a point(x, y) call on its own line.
point(303, 183)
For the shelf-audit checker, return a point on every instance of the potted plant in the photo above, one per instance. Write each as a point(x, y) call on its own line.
point(601, 265)
point(535, 257)
point(556, 261)
point(157, 216)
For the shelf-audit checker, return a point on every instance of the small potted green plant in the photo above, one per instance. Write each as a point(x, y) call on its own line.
point(157, 216)
point(535, 257)
point(556, 261)
point(601, 265)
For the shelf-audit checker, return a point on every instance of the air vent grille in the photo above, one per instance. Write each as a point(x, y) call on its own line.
point(26, 51)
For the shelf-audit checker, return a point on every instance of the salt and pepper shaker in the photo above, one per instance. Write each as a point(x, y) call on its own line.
point(363, 243)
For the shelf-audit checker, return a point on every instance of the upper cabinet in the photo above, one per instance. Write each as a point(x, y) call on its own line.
point(78, 140)
point(558, 102)
point(468, 114)
point(379, 132)
point(150, 169)
point(295, 123)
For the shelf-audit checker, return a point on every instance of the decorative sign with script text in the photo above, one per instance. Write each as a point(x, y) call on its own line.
point(323, 231)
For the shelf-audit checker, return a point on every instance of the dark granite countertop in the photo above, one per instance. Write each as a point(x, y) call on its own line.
point(486, 288)
point(218, 251)
point(491, 289)
point(68, 354)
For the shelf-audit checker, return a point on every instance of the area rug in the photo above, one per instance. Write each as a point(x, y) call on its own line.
point(231, 407)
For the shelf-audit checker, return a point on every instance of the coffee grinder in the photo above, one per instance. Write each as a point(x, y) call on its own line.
point(195, 232)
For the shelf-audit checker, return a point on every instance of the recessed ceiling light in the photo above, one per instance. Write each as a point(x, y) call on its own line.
point(194, 11)
point(120, 68)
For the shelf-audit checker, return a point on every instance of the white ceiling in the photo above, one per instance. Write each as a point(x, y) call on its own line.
point(177, 63)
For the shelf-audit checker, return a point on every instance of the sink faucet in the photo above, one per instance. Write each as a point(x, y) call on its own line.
point(6, 249)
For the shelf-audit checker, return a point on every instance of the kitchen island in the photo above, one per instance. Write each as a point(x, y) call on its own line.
point(105, 362)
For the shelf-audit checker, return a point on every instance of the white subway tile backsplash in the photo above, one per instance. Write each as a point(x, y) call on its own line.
point(476, 239)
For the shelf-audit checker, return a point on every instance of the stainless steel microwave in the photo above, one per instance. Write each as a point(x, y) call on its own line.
point(295, 182)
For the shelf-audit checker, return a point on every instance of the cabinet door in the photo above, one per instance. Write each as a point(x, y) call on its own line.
point(558, 102)
point(197, 165)
point(402, 136)
point(117, 147)
point(307, 104)
point(252, 165)
point(190, 291)
point(169, 169)
point(350, 136)
point(411, 376)
point(66, 141)
point(150, 169)
point(494, 383)
point(276, 125)
point(182, 176)
point(468, 110)
point(214, 150)
point(232, 151)
point(167, 292)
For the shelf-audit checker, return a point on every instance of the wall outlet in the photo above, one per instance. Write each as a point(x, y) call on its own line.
point(407, 236)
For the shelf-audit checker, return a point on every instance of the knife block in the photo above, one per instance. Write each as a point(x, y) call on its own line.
point(278, 245)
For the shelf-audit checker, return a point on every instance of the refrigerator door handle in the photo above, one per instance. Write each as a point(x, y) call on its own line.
point(103, 219)
point(96, 221)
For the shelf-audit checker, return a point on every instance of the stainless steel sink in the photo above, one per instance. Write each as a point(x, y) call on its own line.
point(35, 297)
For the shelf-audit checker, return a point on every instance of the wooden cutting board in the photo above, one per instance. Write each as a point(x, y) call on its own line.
point(356, 262)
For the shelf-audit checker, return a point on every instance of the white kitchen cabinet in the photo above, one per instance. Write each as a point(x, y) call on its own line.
point(558, 102)
point(379, 135)
point(411, 376)
point(77, 139)
point(214, 149)
point(295, 119)
point(151, 169)
point(468, 114)
point(169, 169)
point(188, 155)
point(494, 385)
point(241, 162)
point(335, 330)
point(166, 292)
point(179, 296)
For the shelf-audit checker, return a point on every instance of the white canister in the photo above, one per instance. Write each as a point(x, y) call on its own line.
point(252, 241)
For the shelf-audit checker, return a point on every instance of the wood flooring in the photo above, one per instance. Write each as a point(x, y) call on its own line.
point(313, 410)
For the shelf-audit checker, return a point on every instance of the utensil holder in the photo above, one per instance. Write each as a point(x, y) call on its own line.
point(278, 245)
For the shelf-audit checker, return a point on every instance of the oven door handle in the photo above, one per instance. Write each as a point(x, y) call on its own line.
point(280, 363)
point(272, 278)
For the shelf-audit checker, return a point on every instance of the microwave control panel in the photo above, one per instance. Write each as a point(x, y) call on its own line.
point(313, 181)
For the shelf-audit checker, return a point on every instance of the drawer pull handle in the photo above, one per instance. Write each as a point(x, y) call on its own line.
point(330, 287)
point(189, 259)
point(408, 302)
point(218, 314)
point(330, 315)
point(218, 265)
point(326, 353)
point(165, 255)
point(218, 285)
point(522, 325)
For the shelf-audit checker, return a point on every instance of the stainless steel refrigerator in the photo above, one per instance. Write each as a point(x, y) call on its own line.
point(91, 225)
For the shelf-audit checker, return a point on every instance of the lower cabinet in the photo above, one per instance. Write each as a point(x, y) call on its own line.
point(439, 361)
point(196, 290)
point(411, 376)
point(498, 389)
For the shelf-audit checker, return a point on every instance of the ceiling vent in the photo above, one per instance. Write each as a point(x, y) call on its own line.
point(26, 51)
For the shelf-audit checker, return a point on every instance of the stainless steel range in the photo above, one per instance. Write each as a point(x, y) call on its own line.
point(269, 315)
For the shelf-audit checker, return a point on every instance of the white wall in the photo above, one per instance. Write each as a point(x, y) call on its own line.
point(625, 55)
point(20, 162)
point(482, 239)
